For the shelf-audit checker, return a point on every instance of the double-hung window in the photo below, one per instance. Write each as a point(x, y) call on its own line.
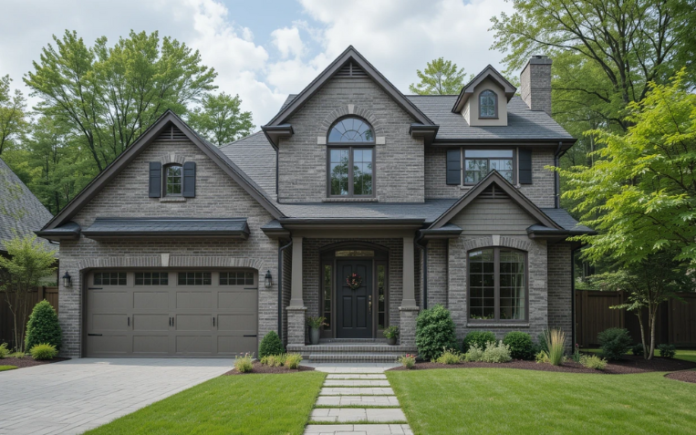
point(497, 285)
point(173, 180)
point(351, 158)
point(469, 166)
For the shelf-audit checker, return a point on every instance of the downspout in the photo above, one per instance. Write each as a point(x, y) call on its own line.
point(556, 178)
point(424, 254)
point(572, 295)
point(280, 287)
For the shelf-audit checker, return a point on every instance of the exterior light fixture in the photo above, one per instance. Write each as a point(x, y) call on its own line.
point(67, 281)
point(269, 279)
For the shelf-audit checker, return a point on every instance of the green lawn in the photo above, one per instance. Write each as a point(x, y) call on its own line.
point(3, 368)
point(251, 404)
point(510, 401)
point(685, 354)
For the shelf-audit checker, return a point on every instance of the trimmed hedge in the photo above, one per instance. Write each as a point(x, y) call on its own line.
point(271, 345)
point(43, 327)
point(615, 342)
point(479, 338)
point(434, 332)
point(521, 345)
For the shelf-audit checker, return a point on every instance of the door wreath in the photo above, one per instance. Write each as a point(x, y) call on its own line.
point(354, 281)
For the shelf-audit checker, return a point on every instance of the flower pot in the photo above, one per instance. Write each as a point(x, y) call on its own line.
point(314, 336)
point(391, 341)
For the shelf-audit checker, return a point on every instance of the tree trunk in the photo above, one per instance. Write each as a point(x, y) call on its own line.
point(642, 334)
point(651, 320)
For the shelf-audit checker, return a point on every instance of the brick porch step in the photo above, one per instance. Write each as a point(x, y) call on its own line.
point(357, 357)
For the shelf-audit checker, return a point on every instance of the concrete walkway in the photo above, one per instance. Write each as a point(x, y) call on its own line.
point(356, 399)
point(73, 396)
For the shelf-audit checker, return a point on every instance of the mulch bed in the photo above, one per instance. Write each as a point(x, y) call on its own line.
point(685, 376)
point(28, 361)
point(264, 369)
point(631, 364)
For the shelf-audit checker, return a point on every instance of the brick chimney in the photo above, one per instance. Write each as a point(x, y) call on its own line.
point(535, 83)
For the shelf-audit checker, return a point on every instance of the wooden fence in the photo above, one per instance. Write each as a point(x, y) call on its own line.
point(675, 322)
point(6, 318)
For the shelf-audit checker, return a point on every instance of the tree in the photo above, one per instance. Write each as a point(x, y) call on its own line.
point(220, 119)
point(12, 113)
point(43, 327)
point(440, 77)
point(28, 262)
point(107, 96)
point(648, 283)
point(641, 193)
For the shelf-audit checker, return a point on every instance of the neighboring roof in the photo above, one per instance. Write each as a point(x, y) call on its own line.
point(256, 157)
point(350, 54)
point(167, 118)
point(21, 213)
point(160, 227)
point(468, 89)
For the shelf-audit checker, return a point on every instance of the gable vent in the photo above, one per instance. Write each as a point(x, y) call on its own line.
point(171, 133)
point(494, 192)
point(351, 69)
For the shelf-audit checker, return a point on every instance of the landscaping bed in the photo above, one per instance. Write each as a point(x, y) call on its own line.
point(631, 364)
point(28, 361)
point(684, 376)
point(265, 369)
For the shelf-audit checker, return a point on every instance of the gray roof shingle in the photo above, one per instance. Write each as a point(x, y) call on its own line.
point(121, 227)
point(255, 156)
point(565, 220)
point(428, 210)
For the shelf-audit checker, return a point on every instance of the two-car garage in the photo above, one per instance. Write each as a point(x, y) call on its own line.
point(160, 313)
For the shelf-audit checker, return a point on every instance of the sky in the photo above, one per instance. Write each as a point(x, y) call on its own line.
point(264, 50)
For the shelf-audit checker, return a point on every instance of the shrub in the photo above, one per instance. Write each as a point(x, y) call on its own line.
point(480, 338)
point(449, 356)
point(637, 349)
point(273, 360)
point(555, 342)
point(43, 351)
point(271, 345)
point(474, 354)
point(576, 354)
point(407, 361)
point(543, 345)
point(293, 360)
point(391, 332)
point(593, 362)
point(496, 353)
point(520, 343)
point(4, 351)
point(542, 357)
point(244, 364)
point(615, 342)
point(667, 350)
point(43, 326)
point(434, 332)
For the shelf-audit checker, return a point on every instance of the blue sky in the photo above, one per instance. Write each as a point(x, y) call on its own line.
point(263, 50)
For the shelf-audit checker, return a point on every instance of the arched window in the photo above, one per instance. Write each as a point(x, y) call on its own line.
point(173, 180)
point(351, 158)
point(488, 104)
point(497, 285)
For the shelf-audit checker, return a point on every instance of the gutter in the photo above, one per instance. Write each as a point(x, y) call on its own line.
point(280, 287)
point(424, 252)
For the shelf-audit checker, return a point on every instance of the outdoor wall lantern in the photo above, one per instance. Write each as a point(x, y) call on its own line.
point(269, 279)
point(67, 281)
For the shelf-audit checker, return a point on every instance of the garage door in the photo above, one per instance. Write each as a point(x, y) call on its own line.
point(179, 314)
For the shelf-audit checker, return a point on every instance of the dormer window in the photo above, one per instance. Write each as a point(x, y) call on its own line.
point(351, 158)
point(488, 104)
point(173, 180)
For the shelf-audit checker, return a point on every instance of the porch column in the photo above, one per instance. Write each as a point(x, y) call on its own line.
point(408, 309)
point(296, 310)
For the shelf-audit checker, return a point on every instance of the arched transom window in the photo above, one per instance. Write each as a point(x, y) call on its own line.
point(351, 169)
point(488, 102)
point(351, 130)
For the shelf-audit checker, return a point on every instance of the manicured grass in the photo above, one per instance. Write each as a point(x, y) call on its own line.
point(509, 401)
point(684, 354)
point(251, 404)
point(3, 368)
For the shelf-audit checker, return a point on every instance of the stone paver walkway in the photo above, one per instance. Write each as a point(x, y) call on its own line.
point(359, 400)
point(73, 396)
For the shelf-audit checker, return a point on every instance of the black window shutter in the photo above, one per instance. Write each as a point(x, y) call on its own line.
point(454, 166)
point(525, 170)
point(189, 180)
point(155, 179)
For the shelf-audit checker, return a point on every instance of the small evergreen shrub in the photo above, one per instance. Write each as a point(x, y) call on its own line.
point(593, 362)
point(43, 351)
point(520, 343)
point(244, 363)
point(449, 356)
point(4, 351)
point(43, 327)
point(615, 342)
point(474, 354)
point(408, 361)
point(293, 360)
point(434, 332)
point(271, 345)
point(637, 349)
point(496, 353)
point(480, 338)
point(667, 350)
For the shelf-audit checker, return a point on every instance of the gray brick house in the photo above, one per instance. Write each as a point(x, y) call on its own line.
point(355, 202)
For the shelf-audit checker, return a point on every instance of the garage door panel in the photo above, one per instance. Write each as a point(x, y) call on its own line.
point(194, 344)
point(104, 301)
point(235, 344)
point(151, 300)
point(110, 322)
point(109, 345)
point(150, 322)
point(237, 322)
point(151, 344)
point(242, 301)
point(194, 300)
point(194, 322)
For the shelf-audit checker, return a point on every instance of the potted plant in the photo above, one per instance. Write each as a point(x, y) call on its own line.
point(315, 325)
point(392, 334)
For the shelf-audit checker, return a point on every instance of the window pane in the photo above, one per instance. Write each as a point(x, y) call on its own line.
point(512, 285)
point(351, 129)
point(487, 101)
point(338, 167)
point(482, 284)
point(381, 295)
point(174, 174)
point(504, 166)
point(488, 154)
point(362, 171)
point(475, 170)
point(326, 290)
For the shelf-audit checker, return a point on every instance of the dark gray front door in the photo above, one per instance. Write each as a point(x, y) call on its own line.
point(354, 306)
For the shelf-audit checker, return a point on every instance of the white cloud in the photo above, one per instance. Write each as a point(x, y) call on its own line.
point(288, 41)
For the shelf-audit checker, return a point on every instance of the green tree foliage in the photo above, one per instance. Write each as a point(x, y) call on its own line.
point(220, 119)
point(107, 96)
point(43, 327)
point(271, 345)
point(440, 77)
point(12, 114)
point(27, 263)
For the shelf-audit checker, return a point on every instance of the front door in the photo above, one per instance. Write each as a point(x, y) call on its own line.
point(354, 302)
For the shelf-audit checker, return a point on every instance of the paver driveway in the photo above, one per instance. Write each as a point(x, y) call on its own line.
point(73, 396)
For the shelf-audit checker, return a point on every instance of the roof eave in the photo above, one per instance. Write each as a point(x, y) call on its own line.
point(426, 132)
point(276, 132)
point(566, 143)
point(102, 235)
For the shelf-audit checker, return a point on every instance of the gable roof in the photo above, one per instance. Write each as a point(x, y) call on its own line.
point(21, 213)
point(468, 89)
point(349, 55)
point(494, 178)
point(255, 156)
point(167, 118)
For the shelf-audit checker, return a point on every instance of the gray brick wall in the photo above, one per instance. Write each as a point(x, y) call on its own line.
point(127, 196)
point(399, 175)
point(437, 272)
point(560, 288)
point(535, 84)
